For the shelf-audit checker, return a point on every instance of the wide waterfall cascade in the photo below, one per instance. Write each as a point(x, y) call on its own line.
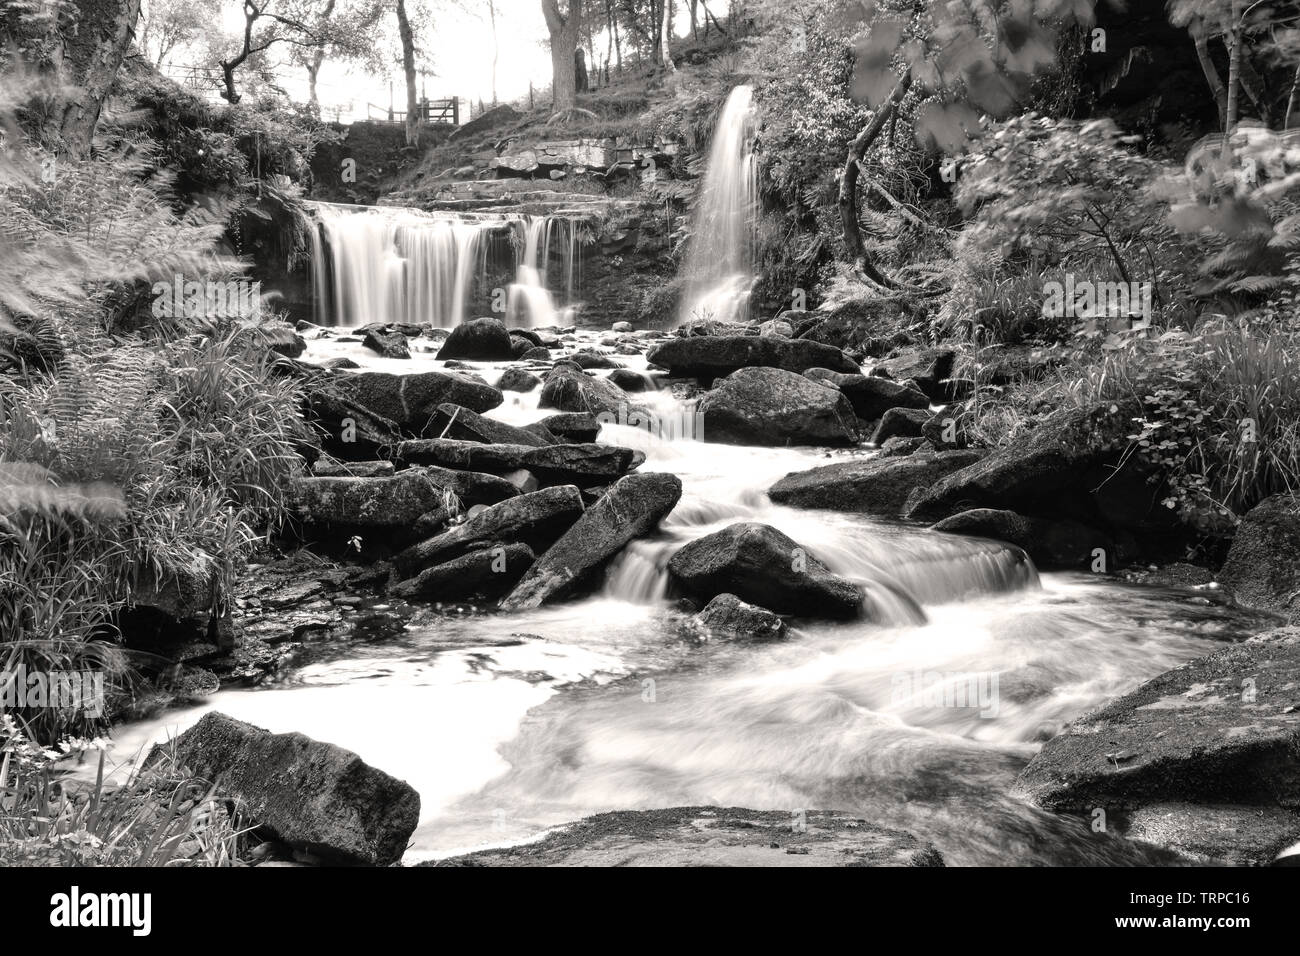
point(720, 257)
point(391, 264)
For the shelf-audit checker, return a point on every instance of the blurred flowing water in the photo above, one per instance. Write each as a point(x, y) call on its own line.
point(512, 724)
point(394, 264)
point(720, 260)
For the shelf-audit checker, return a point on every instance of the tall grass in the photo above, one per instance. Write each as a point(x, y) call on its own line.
point(161, 815)
point(1221, 411)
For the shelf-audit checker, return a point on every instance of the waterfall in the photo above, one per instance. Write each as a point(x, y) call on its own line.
point(529, 303)
point(381, 264)
point(720, 256)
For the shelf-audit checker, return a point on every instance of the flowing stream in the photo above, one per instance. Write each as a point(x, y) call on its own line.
point(512, 724)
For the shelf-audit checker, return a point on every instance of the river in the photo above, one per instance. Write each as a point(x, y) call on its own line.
point(508, 725)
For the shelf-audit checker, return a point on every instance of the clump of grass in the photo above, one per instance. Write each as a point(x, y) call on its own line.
point(161, 816)
point(1221, 411)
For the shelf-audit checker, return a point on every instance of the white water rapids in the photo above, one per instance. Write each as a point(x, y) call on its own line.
point(511, 724)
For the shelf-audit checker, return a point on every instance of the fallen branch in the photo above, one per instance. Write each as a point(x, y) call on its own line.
point(848, 197)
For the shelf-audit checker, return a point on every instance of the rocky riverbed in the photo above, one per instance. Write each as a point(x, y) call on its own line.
point(538, 575)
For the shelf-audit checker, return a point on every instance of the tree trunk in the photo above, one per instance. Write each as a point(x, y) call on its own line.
point(580, 82)
point(1291, 99)
point(656, 37)
point(1212, 76)
point(408, 68)
point(618, 45)
point(313, 72)
point(695, 19)
point(708, 15)
point(564, 44)
point(848, 196)
point(496, 49)
point(665, 32)
point(1235, 38)
point(94, 54)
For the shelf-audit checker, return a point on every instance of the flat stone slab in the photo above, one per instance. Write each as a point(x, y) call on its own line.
point(715, 836)
point(1222, 729)
point(1237, 835)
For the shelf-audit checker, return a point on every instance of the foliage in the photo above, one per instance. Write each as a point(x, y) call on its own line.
point(161, 815)
point(1239, 198)
point(126, 459)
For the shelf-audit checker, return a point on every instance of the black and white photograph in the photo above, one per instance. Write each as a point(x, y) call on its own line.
point(650, 433)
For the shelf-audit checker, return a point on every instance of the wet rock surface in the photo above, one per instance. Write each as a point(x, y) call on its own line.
point(1220, 731)
point(767, 406)
point(879, 486)
point(312, 795)
point(762, 566)
point(714, 836)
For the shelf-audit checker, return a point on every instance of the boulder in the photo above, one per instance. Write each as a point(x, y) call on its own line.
point(727, 616)
point(518, 380)
point(1051, 544)
point(350, 430)
point(947, 430)
point(779, 328)
point(538, 353)
point(387, 343)
point(478, 340)
point(312, 795)
point(929, 368)
point(707, 357)
point(568, 389)
point(180, 605)
point(552, 464)
point(761, 565)
point(288, 343)
point(528, 335)
point(520, 346)
point(630, 381)
point(365, 503)
point(479, 575)
point(1223, 730)
point(461, 424)
point(536, 519)
point(1072, 465)
point(410, 401)
point(714, 327)
point(768, 406)
point(870, 396)
point(593, 360)
point(879, 486)
point(904, 445)
point(900, 423)
point(632, 507)
point(470, 487)
point(576, 427)
point(1263, 565)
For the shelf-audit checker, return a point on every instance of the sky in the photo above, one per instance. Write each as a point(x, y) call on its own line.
point(460, 50)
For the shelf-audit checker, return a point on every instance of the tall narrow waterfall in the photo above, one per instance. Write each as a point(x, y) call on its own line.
point(381, 264)
point(529, 303)
point(720, 257)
